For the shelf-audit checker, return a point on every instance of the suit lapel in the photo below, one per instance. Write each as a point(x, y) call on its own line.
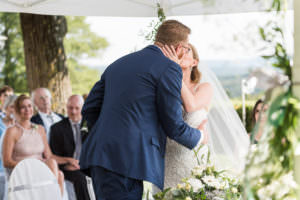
point(39, 119)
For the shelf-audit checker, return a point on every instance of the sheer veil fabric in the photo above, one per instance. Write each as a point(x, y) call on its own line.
point(228, 139)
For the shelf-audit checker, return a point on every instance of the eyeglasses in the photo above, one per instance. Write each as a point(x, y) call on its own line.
point(188, 49)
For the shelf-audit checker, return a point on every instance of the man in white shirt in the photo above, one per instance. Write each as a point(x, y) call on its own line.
point(41, 98)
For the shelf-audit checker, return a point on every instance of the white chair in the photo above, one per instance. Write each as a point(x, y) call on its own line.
point(31, 179)
point(90, 188)
point(69, 191)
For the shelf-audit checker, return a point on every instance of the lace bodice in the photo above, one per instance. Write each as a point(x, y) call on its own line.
point(194, 119)
point(179, 161)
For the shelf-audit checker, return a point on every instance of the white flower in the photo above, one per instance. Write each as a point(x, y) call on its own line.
point(196, 184)
point(197, 171)
point(211, 181)
point(234, 190)
point(188, 198)
point(288, 180)
point(224, 184)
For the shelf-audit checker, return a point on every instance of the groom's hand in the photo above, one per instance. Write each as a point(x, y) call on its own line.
point(204, 133)
point(170, 52)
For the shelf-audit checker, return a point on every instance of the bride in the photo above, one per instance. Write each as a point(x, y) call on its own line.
point(205, 103)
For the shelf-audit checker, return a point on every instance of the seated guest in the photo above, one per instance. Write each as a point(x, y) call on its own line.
point(65, 140)
point(259, 115)
point(27, 140)
point(42, 101)
point(8, 120)
point(5, 91)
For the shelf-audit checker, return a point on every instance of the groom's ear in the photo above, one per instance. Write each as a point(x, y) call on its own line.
point(179, 51)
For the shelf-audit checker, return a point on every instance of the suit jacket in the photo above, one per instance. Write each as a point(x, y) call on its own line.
point(38, 120)
point(62, 141)
point(132, 109)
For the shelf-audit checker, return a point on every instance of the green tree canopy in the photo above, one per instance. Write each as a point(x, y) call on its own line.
point(12, 65)
point(80, 42)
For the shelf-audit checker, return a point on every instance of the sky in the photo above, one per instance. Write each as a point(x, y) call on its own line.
point(216, 37)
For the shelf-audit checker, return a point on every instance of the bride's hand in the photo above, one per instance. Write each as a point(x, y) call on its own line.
point(202, 128)
point(170, 52)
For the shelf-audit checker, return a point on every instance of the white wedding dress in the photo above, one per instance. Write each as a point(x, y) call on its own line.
point(179, 160)
point(228, 141)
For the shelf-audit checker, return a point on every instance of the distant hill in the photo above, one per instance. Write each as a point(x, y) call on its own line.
point(229, 72)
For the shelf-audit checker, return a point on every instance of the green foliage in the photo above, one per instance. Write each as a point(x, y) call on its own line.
point(81, 42)
point(275, 152)
point(270, 34)
point(83, 78)
point(205, 183)
point(13, 70)
point(150, 36)
point(239, 109)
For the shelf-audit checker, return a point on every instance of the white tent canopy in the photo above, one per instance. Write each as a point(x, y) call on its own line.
point(133, 8)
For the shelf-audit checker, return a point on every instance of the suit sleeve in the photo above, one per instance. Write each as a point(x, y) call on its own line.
point(56, 143)
point(170, 108)
point(93, 104)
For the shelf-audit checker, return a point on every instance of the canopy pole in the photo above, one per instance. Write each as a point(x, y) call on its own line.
point(296, 80)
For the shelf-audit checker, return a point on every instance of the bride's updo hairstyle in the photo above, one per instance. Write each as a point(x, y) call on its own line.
point(172, 32)
point(196, 74)
point(19, 102)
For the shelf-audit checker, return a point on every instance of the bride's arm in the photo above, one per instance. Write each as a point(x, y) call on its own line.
point(201, 99)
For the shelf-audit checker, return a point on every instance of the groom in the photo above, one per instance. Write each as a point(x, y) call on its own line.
point(131, 111)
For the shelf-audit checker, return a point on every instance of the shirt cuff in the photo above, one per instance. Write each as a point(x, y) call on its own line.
point(201, 136)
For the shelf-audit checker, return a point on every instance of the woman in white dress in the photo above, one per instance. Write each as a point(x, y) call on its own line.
point(205, 103)
point(196, 98)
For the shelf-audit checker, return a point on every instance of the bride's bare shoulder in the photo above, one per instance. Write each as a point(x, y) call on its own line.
point(205, 87)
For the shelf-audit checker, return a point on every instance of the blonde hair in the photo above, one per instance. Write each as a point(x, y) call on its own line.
point(196, 74)
point(19, 101)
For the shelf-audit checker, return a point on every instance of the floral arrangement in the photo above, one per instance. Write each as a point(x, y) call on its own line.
point(205, 183)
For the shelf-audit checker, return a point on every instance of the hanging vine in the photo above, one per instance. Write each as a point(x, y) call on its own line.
point(150, 36)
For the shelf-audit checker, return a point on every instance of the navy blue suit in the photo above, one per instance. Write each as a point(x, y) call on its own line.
point(132, 109)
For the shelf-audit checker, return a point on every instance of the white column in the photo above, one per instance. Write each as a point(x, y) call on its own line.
point(296, 77)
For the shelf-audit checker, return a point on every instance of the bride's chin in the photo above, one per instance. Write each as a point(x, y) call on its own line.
point(184, 67)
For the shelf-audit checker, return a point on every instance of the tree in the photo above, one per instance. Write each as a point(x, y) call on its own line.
point(80, 43)
point(45, 58)
point(12, 55)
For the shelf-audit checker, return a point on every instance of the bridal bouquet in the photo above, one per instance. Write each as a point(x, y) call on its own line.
point(205, 183)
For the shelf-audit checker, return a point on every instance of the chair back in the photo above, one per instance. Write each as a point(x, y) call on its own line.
point(31, 179)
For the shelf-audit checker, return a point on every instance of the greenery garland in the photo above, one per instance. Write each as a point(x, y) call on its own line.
point(150, 36)
point(269, 173)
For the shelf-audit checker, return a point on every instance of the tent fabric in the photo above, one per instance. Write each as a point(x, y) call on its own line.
point(134, 8)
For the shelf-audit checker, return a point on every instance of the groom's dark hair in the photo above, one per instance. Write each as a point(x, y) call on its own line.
point(172, 32)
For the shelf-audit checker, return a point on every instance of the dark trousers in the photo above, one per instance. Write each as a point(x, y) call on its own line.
point(112, 186)
point(80, 184)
